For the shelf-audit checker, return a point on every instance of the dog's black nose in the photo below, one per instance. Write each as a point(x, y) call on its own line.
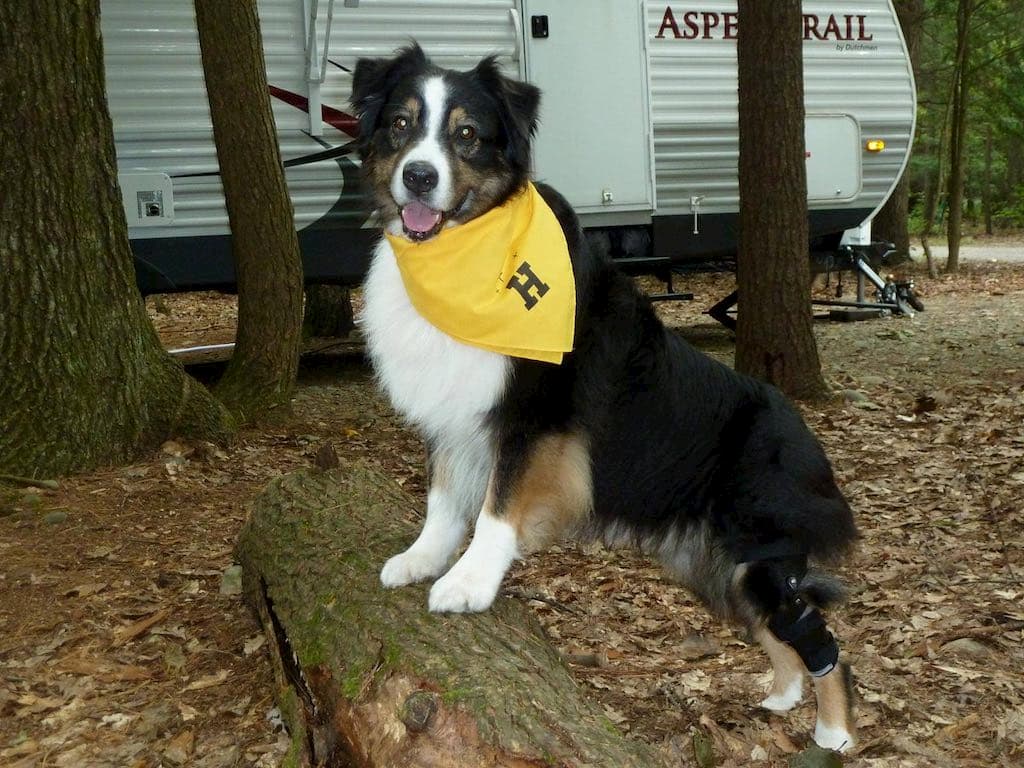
point(419, 177)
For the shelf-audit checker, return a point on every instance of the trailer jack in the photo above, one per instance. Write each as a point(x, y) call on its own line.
point(890, 296)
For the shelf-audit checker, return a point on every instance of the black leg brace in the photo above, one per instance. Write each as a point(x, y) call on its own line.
point(774, 583)
point(802, 627)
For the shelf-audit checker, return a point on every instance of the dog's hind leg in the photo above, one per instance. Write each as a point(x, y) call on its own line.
point(533, 497)
point(788, 683)
point(835, 727)
point(794, 633)
point(458, 479)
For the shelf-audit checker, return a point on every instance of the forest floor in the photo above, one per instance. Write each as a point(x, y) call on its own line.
point(124, 641)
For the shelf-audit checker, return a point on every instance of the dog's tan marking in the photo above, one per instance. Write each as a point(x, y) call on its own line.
point(554, 493)
point(486, 189)
point(834, 693)
point(457, 116)
point(413, 107)
point(788, 672)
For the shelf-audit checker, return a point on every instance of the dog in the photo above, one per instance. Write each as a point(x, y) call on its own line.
point(631, 436)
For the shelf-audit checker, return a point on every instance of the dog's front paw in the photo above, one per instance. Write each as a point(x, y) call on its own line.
point(409, 567)
point(463, 590)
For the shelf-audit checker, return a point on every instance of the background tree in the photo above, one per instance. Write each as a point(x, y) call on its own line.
point(83, 378)
point(968, 164)
point(774, 335)
point(960, 89)
point(891, 223)
point(328, 311)
point(268, 267)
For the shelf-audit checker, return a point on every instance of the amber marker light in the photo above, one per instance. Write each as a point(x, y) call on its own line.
point(875, 145)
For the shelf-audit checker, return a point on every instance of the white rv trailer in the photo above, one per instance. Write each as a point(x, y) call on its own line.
point(638, 117)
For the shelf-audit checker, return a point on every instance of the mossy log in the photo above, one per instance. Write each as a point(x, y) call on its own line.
point(379, 680)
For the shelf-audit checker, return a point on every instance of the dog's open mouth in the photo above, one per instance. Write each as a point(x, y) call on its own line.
point(420, 221)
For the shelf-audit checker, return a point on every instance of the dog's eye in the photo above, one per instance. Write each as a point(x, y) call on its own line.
point(467, 133)
point(400, 124)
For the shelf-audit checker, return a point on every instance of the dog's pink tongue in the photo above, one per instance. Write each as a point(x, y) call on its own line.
point(419, 218)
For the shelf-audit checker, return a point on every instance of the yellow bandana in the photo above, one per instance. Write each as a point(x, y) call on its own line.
point(502, 281)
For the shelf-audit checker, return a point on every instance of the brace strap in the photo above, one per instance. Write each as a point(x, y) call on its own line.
point(802, 627)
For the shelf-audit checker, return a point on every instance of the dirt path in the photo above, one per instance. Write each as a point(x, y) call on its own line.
point(123, 641)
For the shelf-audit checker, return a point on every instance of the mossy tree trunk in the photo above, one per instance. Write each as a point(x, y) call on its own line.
point(774, 334)
point(83, 378)
point(268, 268)
point(372, 677)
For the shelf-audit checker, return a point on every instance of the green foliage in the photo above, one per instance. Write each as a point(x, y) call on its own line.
point(1010, 215)
point(995, 102)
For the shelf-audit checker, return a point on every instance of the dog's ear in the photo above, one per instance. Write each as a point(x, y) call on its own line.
point(372, 83)
point(518, 107)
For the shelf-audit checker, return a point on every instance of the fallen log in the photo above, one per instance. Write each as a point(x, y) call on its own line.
point(368, 677)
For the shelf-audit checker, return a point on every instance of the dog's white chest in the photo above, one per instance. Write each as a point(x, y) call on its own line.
point(437, 383)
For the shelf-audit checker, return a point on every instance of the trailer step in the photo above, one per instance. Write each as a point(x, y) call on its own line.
point(671, 296)
point(644, 265)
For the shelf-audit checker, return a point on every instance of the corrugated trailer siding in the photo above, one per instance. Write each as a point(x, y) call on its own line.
point(693, 96)
point(157, 95)
point(454, 34)
point(162, 124)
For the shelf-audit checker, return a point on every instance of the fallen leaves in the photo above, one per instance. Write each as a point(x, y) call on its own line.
point(208, 681)
point(128, 633)
point(114, 622)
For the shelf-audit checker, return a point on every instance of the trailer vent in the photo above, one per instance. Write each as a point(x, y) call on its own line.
point(148, 199)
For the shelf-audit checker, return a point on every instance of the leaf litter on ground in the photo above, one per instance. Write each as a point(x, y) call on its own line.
point(118, 647)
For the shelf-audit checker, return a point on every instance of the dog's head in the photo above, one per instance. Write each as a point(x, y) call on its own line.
point(440, 147)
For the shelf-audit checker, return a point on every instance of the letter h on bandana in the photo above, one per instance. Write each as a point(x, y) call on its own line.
point(530, 283)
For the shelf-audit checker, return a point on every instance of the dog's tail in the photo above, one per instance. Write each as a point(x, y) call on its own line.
point(821, 589)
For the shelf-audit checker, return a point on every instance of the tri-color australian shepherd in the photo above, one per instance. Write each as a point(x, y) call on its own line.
point(635, 438)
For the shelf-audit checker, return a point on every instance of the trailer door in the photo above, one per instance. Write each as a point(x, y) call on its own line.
point(594, 144)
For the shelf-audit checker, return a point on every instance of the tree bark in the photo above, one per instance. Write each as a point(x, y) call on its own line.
point(268, 268)
point(958, 134)
point(774, 333)
point(373, 678)
point(328, 312)
point(891, 222)
point(986, 183)
point(84, 380)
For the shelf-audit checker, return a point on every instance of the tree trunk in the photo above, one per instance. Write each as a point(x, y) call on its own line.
point(986, 183)
point(268, 268)
point(931, 203)
point(328, 312)
point(890, 223)
point(84, 380)
point(958, 135)
point(774, 334)
point(380, 681)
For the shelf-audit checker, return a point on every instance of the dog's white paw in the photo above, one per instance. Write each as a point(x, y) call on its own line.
point(463, 590)
point(786, 699)
point(833, 737)
point(411, 566)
